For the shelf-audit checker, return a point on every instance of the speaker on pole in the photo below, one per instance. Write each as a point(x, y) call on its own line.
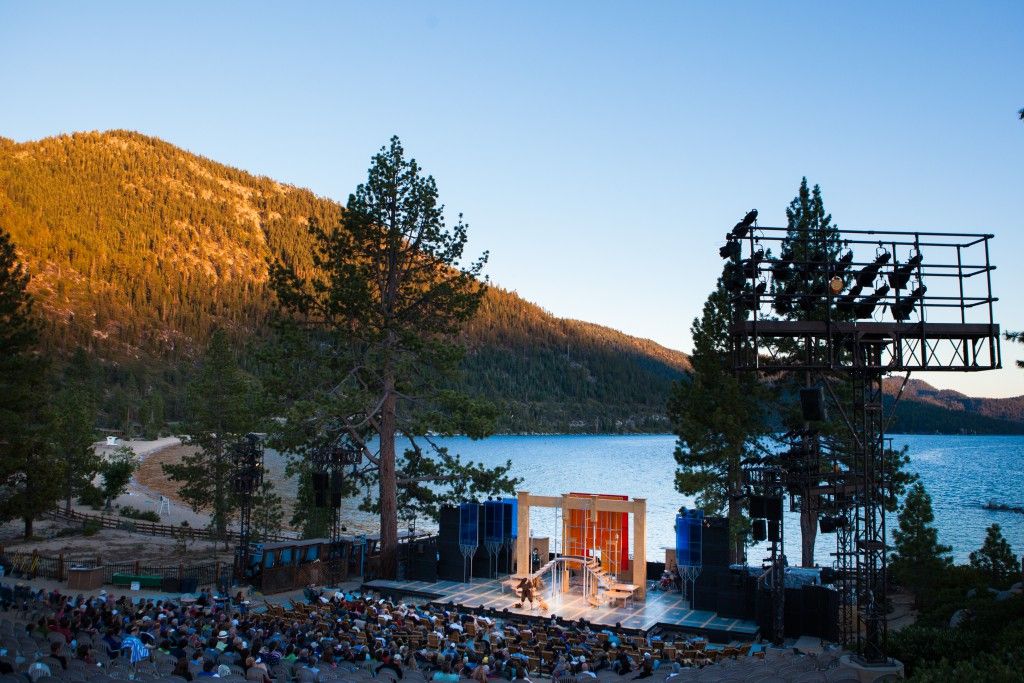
point(759, 529)
point(320, 484)
point(812, 404)
point(773, 531)
point(336, 480)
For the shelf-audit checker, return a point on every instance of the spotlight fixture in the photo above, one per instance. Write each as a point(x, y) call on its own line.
point(835, 285)
point(750, 265)
point(741, 229)
point(847, 301)
point(866, 306)
point(902, 309)
point(784, 304)
point(869, 272)
point(900, 275)
point(750, 299)
point(730, 250)
point(780, 269)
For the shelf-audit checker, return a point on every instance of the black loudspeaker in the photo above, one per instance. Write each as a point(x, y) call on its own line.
point(336, 481)
point(170, 584)
point(827, 525)
point(773, 531)
point(757, 507)
point(715, 542)
point(759, 528)
point(448, 526)
point(773, 508)
point(188, 584)
point(320, 484)
point(812, 404)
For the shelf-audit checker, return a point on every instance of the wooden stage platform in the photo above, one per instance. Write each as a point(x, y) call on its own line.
point(659, 609)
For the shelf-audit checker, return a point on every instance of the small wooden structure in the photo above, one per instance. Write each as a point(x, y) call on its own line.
point(289, 565)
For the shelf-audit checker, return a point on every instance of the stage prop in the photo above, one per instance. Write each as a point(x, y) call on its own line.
point(594, 535)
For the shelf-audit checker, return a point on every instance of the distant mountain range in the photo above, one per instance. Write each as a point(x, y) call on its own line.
point(138, 249)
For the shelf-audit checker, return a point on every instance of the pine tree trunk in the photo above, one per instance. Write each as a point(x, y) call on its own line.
point(388, 485)
point(808, 529)
point(28, 527)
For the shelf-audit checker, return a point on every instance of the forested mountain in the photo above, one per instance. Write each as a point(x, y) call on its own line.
point(139, 249)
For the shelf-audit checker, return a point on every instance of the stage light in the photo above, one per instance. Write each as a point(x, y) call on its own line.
point(900, 275)
point(784, 304)
point(730, 250)
point(847, 301)
point(751, 265)
point(902, 309)
point(835, 285)
point(780, 269)
point(866, 306)
point(869, 272)
point(741, 229)
point(843, 264)
point(750, 300)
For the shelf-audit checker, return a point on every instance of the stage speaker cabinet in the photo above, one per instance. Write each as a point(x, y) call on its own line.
point(759, 530)
point(336, 485)
point(774, 531)
point(170, 584)
point(715, 542)
point(773, 508)
point(757, 507)
point(188, 584)
point(448, 527)
point(812, 404)
point(320, 485)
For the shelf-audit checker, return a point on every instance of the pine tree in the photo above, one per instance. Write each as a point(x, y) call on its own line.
point(813, 237)
point(267, 512)
point(995, 559)
point(117, 470)
point(719, 417)
point(223, 406)
point(918, 558)
point(389, 293)
point(73, 424)
point(29, 474)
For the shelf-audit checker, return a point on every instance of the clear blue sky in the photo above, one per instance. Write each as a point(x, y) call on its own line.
point(599, 151)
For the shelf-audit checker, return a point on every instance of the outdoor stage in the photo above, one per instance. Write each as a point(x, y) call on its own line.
point(668, 610)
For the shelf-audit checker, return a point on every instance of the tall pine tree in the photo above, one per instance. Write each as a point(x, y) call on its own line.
point(388, 294)
point(223, 406)
point(29, 474)
point(995, 559)
point(719, 417)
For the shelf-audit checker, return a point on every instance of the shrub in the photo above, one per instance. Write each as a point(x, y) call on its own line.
point(134, 513)
point(91, 527)
point(91, 496)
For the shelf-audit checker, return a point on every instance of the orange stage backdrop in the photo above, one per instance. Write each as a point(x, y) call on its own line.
point(609, 525)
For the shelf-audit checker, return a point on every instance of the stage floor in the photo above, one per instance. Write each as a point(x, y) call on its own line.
point(665, 609)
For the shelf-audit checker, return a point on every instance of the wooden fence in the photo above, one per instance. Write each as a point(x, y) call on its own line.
point(153, 528)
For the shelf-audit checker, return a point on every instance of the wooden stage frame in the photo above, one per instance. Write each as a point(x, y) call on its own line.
point(593, 504)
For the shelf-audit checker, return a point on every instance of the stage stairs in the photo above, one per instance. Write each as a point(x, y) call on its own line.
point(606, 590)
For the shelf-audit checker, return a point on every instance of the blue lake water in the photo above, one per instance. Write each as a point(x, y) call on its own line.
point(960, 473)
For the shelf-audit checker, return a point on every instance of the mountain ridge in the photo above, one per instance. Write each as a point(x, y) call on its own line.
point(139, 248)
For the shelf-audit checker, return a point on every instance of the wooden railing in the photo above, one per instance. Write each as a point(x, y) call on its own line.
point(153, 528)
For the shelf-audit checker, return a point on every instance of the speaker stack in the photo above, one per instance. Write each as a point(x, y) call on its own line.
point(449, 565)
